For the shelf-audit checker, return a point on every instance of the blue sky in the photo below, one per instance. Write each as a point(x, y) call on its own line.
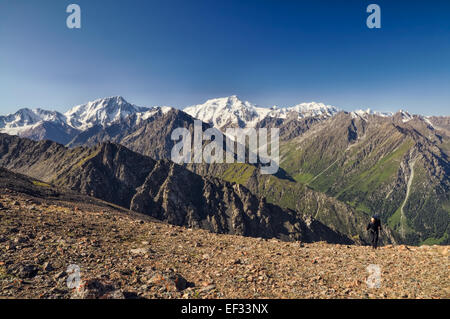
point(180, 53)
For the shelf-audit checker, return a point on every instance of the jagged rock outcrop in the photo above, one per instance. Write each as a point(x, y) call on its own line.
point(220, 207)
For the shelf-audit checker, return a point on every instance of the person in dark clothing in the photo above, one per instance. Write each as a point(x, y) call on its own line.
point(374, 229)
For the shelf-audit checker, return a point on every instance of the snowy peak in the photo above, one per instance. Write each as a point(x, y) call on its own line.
point(220, 112)
point(314, 109)
point(21, 118)
point(303, 110)
point(50, 116)
point(142, 116)
point(224, 112)
point(80, 118)
point(401, 115)
point(25, 119)
point(405, 116)
point(233, 112)
point(365, 113)
point(101, 112)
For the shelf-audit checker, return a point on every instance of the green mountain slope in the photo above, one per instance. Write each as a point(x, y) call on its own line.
point(387, 166)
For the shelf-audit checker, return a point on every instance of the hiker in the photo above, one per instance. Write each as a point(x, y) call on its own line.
point(374, 229)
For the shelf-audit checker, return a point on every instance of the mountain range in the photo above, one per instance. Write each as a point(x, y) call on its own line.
point(337, 167)
point(40, 124)
point(160, 189)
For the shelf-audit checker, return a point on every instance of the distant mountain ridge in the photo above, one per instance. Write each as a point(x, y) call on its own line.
point(232, 112)
point(40, 124)
point(220, 112)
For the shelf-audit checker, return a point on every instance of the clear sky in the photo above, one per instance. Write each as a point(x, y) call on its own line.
point(179, 53)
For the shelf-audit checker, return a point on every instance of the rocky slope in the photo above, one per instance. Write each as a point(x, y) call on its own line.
point(121, 254)
point(221, 207)
point(160, 189)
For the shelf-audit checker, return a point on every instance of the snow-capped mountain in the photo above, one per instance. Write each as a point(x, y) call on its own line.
point(364, 113)
point(43, 124)
point(227, 111)
point(101, 112)
point(142, 116)
point(25, 119)
point(305, 110)
point(220, 112)
point(232, 112)
point(81, 117)
point(404, 116)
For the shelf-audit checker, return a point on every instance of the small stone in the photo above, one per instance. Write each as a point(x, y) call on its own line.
point(59, 275)
point(20, 239)
point(139, 251)
point(95, 289)
point(47, 267)
point(207, 283)
point(208, 288)
point(116, 294)
point(27, 271)
point(169, 281)
point(143, 288)
point(180, 283)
